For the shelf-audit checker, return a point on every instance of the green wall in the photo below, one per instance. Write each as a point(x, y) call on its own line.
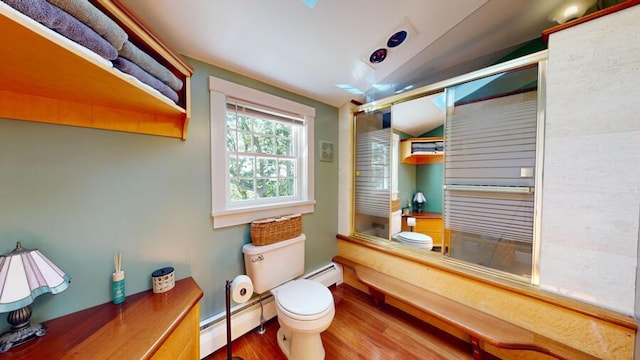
point(81, 195)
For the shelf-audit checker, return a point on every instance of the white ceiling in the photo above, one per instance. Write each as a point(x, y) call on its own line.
point(310, 50)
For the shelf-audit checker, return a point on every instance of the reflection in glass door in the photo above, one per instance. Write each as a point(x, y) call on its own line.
point(490, 164)
point(373, 173)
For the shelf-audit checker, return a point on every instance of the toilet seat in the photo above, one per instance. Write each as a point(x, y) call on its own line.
point(415, 239)
point(304, 299)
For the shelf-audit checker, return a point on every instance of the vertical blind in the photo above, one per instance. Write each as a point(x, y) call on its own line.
point(490, 153)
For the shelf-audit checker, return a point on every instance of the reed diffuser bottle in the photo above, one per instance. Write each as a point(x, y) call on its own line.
point(117, 280)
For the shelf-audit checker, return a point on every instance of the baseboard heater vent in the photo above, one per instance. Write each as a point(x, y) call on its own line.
point(246, 317)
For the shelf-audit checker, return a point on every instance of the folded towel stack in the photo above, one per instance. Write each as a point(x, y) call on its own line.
point(150, 65)
point(427, 147)
point(65, 24)
point(82, 22)
point(95, 19)
point(134, 70)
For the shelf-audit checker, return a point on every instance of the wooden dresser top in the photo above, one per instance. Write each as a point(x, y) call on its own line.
point(134, 329)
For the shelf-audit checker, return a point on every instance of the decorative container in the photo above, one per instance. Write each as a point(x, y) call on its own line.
point(163, 280)
point(117, 287)
point(271, 230)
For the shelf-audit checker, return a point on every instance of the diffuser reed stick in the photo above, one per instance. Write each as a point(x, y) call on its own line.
point(117, 262)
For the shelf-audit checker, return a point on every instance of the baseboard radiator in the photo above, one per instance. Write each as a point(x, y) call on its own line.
point(246, 317)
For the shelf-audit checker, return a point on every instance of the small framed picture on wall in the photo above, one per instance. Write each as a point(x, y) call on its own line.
point(326, 150)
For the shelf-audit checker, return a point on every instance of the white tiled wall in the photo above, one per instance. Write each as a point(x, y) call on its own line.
point(591, 199)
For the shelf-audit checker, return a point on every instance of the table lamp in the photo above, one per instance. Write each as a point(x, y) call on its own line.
point(419, 198)
point(24, 275)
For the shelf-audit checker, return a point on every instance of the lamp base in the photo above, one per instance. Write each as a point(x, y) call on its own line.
point(15, 337)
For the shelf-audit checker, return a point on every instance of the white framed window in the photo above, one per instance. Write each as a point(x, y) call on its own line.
point(261, 155)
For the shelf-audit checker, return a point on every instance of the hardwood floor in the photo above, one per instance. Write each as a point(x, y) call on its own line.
point(360, 331)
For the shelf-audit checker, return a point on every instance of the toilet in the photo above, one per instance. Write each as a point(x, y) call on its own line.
point(304, 307)
point(414, 239)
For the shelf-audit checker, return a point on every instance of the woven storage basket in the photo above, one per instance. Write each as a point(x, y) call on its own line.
point(272, 230)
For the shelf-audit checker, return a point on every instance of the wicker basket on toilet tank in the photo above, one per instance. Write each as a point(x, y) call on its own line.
point(271, 230)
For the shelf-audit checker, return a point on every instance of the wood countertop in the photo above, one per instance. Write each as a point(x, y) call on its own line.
point(135, 329)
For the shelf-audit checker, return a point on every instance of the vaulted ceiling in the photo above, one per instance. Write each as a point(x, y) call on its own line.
point(323, 51)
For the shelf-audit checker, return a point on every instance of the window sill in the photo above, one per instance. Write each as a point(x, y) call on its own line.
point(227, 218)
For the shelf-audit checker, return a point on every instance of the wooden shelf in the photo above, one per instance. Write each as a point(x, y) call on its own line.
point(49, 78)
point(420, 158)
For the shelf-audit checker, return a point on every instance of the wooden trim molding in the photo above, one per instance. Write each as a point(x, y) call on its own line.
point(592, 16)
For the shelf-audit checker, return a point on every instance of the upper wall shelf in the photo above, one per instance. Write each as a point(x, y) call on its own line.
point(46, 77)
point(420, 151)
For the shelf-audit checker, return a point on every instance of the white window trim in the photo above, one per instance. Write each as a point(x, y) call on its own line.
point(222, 216)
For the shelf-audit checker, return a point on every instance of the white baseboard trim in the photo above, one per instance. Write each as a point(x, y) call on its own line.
point(246, 317)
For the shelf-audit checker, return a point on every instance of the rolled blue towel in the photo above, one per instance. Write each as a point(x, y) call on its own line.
point(134, 70)
point(91, 16)
point(150, 65)
point(56, 19)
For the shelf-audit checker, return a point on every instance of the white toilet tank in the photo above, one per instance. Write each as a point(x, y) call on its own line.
point(271, 265)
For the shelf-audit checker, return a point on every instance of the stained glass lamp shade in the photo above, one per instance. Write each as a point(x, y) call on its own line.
point(24, 275)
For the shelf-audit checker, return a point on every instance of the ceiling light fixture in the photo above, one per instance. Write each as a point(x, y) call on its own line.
point(397, 39)
point(378, 56)
point(570, 10)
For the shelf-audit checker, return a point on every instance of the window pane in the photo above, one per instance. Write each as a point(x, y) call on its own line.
point(284, 146)
point(287, 187)
point(264, 144)
point(266, 167)
point(263, 161)
point(231, 141)
point(245, 166)
point(283, 129)
point(244, 123)
point(287, 168)
point(266, 188)
point(241, 189)
point(231, 120)
point(233, 167)
point(261, 126)
point(245, 143)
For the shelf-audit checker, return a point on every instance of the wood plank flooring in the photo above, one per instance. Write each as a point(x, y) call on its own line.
point(360, 331)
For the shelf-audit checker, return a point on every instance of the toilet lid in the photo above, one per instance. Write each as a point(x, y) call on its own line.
point(415, 237)
point(304, 297)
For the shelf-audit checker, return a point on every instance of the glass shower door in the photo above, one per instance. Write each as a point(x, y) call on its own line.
point(373, 173)
point(491, 135)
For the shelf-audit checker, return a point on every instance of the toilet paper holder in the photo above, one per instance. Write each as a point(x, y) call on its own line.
point(411, 222)
point(245, 293)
